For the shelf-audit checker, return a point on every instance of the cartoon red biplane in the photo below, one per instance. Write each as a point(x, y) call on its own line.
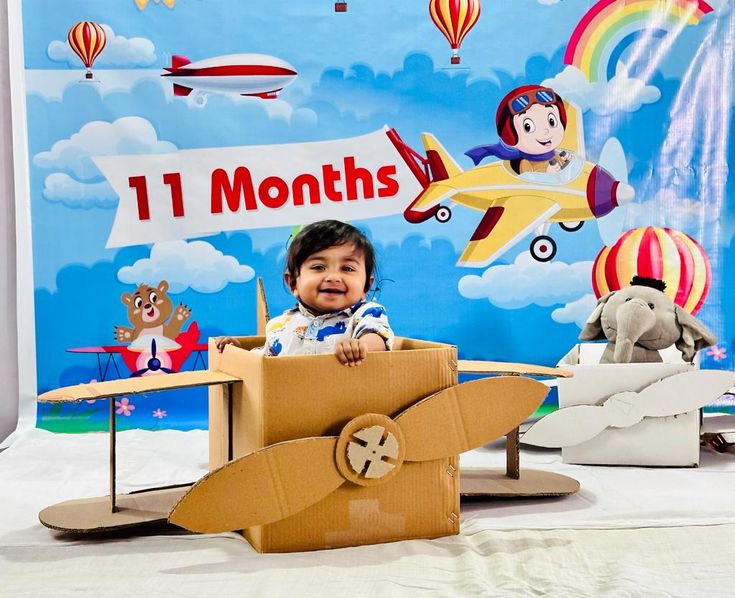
point(149, 361)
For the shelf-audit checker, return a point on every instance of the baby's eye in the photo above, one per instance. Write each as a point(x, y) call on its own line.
point(552, 120)
point(348, 268)
point(153, 297)
point(138, 302)
point(317, 267)
point(528, 126)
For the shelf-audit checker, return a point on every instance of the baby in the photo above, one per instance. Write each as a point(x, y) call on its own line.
point(329, 269)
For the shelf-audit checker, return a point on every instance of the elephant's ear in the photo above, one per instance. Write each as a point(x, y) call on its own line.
point(694, 334)
point(592, 330)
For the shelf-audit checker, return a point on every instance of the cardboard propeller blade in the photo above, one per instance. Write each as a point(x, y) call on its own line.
point(684, 392)
point(464, 417)
point(567, 427)
point(261, 487)
point(285, 478)
point(669, 396)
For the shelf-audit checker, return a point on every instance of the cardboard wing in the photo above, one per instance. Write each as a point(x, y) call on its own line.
point(128, 386)
point(669, 396)
point(521, 369)
point(282, 479)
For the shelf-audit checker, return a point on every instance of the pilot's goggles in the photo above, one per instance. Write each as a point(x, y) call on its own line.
point(520, 103)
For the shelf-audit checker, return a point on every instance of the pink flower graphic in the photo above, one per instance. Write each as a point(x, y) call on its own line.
point(159, 413)
point(124, 407)
point(717, 353)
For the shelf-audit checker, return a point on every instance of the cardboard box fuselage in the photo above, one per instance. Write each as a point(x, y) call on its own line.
point(287, 398)
point(655, 441)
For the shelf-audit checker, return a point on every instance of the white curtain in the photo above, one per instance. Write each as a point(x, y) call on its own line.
point(8, 320)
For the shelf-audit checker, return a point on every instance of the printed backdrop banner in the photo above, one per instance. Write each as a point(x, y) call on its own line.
point(194, 192)
point(511, 162)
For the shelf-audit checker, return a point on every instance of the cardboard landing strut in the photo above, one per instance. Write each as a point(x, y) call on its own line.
point(512, 482)
point(119, 511)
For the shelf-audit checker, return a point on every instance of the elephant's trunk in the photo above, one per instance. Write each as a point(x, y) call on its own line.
point(633, 319)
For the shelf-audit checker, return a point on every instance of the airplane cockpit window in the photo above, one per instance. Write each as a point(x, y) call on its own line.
point(562, 169)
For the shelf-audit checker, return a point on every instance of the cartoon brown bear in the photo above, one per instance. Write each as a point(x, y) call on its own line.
point(148, 310)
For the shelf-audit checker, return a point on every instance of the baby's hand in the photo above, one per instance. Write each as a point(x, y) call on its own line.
point(222, 341)
point(351, 351)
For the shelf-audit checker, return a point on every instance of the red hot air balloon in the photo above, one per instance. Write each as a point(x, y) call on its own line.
point(87, 39)
point(654, 252)
point(340, 7)
point(454, 18)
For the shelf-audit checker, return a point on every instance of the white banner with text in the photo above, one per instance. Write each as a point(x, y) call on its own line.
point(190, 193)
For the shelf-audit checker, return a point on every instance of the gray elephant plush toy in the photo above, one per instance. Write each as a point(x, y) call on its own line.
point(639, 320)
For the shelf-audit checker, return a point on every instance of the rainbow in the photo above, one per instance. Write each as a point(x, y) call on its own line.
point(611, 26)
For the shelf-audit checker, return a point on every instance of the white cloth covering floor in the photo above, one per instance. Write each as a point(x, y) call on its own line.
point(629, 532)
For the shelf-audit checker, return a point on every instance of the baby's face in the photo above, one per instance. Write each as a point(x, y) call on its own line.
point(331, 279)
point(539, 129)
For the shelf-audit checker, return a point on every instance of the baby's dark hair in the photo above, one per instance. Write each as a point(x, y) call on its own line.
point(323, 234)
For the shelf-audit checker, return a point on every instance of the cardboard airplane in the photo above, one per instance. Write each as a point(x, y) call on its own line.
point(297, 478)
point(670, 396)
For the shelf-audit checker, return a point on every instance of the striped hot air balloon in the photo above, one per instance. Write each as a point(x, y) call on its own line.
point(454, 18)
point(87, 39)
point(654, 252)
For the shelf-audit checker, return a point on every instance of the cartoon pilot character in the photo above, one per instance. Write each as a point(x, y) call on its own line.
point(530, 121)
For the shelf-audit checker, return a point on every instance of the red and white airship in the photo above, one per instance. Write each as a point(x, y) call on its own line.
point(257, 75)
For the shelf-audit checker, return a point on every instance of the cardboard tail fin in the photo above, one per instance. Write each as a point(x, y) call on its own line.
point(261, 307)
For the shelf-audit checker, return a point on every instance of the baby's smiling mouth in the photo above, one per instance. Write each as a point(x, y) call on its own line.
point(332, 291)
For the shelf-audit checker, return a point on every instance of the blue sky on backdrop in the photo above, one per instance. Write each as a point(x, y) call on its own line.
point(383, 62)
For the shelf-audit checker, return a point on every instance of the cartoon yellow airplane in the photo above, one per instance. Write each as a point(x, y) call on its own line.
point(514, 204)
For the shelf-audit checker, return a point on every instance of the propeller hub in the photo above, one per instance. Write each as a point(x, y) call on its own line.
point(370, 450)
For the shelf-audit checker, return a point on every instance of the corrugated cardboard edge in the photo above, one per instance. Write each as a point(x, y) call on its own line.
point(93, 515)
point(521, 369)
point(264, 486)
point(132, 386)
point(261, 308)
point(478, 483)
point(226, 403)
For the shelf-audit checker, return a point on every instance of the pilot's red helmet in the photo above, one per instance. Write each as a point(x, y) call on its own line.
point(519, 100)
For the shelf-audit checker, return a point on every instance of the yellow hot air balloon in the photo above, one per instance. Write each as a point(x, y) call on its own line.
point(87, 39)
